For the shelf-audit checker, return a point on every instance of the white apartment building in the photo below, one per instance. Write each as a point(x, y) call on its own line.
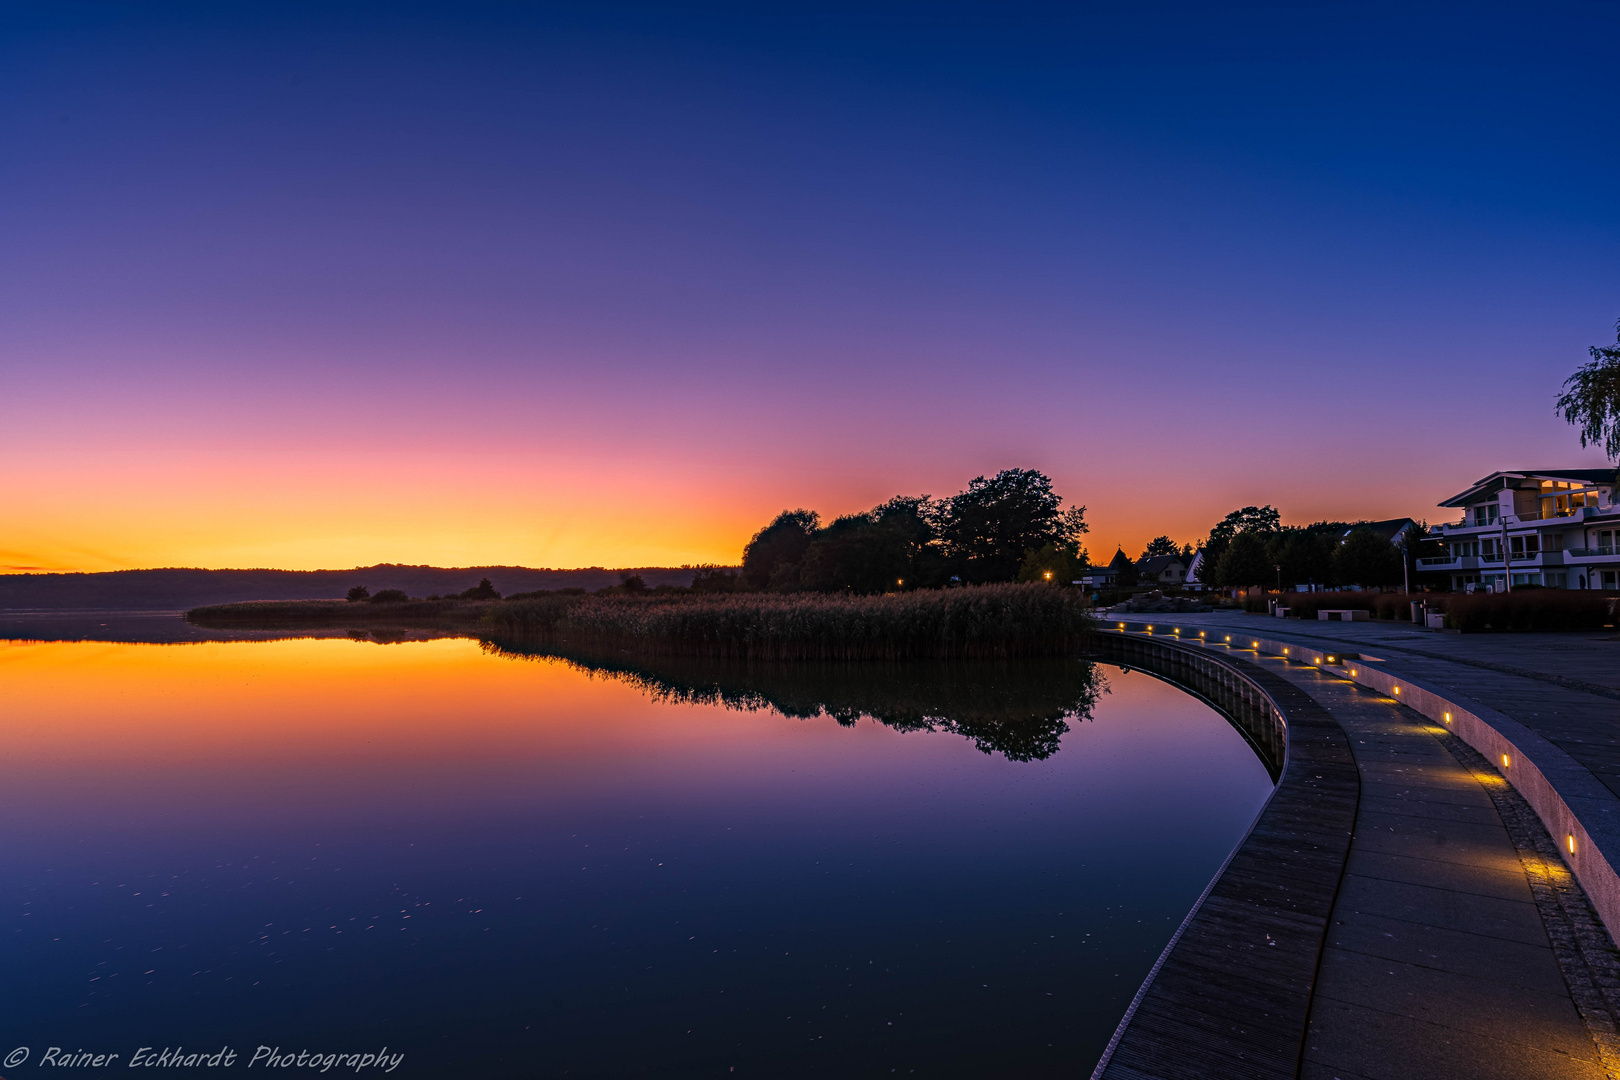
point(1558, 529)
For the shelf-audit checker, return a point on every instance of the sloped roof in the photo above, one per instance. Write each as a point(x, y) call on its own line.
point(1388, 530)
point(1494, 482)
point(1158, 564)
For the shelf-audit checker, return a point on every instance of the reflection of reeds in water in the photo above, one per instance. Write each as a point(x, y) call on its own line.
point(1019, 709)
point(1000, 621)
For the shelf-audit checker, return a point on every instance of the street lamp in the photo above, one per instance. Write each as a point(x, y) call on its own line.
point(1279, 578)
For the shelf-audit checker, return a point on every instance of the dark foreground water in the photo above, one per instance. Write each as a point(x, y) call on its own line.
point(509, 866)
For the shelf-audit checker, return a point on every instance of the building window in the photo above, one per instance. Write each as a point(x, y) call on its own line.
point(1609, 581)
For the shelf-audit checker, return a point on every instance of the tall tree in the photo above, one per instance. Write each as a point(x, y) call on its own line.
point(1304, 556)
point(858, 554)
point(1160, 545)
point(1245, 562)
point(989, 527)
point(1365, 558)
point(778, 547)
point(1250, 519)
point(1591, 399)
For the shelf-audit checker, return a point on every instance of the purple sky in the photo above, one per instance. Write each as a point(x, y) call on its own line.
point(612, 284)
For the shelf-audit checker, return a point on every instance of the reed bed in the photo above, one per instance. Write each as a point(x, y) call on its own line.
point(979, 622)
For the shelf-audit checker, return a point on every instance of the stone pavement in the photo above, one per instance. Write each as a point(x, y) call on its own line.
point(1438, 962)
point(1565, 687)
point(1459, 943)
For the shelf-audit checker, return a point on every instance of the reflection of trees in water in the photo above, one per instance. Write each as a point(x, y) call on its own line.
point(1019, 709)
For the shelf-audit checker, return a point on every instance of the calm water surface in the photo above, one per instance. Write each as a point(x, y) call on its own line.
point(506, 866)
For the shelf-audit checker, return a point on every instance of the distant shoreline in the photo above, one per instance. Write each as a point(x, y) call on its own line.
point(970, 622)
point(181, 589)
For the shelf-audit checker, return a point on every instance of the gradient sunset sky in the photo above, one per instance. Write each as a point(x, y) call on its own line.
point(308, 285)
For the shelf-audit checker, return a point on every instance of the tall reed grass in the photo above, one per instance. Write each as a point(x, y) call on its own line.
point(979, 622)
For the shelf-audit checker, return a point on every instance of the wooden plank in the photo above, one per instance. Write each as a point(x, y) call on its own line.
point(1231, 997)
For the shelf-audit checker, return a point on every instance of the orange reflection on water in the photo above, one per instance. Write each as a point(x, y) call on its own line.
point(332, 722)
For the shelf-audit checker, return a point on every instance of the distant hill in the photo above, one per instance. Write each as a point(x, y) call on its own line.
point(177, 589)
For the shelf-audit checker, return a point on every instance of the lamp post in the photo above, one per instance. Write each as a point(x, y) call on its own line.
point(1279, 579)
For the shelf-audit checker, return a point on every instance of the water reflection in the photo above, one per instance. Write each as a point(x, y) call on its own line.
point(1020, 710)
point(512, 866)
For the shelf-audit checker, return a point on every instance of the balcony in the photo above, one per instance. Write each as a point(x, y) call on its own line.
point(1592, 552)
point(1450, 562)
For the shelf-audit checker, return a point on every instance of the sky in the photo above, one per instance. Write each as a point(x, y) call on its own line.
point(609, 284)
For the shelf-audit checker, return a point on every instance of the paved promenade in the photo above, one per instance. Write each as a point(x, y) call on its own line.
point(1459, 944)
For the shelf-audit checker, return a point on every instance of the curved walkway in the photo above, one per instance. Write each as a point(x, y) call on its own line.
point(1457, 944)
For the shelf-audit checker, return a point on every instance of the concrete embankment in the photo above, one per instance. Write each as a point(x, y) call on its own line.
point(1456, 940)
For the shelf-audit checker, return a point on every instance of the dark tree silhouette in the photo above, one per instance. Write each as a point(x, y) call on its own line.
point(1246, 562)
point(482, 591)
point(358, 593)
point(389, 596)
point(777, 547)
point(1160, 545)
point(1262, 519)
point(709, 578)
point(1591, 399)
point(988, 528)
point(1365, 558)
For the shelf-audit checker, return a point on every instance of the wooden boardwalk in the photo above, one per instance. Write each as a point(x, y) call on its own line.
point(1396, 912)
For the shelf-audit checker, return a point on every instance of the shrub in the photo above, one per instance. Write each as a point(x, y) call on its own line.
point(1540, 609)
point(358, 593)
point(390, 596)
point(482, 591)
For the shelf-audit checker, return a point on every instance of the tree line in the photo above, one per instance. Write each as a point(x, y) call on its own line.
point(1008, 527)
point(1251, 546)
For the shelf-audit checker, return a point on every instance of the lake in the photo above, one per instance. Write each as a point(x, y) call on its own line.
point(509, 865)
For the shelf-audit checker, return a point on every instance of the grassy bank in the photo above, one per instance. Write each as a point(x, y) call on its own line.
point(980, 622)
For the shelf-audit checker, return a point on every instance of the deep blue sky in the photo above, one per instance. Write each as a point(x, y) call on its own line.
point(732, 258)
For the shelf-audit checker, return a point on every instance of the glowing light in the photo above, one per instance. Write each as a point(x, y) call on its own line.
point(1397, 689)
point(1256, 644)
point(1571, 839)
point(1049, 575)
point(1285, 651)
point(1228, 637)
point(1330, 659)
point(1200, 633)
point(1505, 762)
point(1352, 671)
point(1448, 718)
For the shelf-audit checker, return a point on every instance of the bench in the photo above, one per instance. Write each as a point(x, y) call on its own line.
point(1344, 614)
